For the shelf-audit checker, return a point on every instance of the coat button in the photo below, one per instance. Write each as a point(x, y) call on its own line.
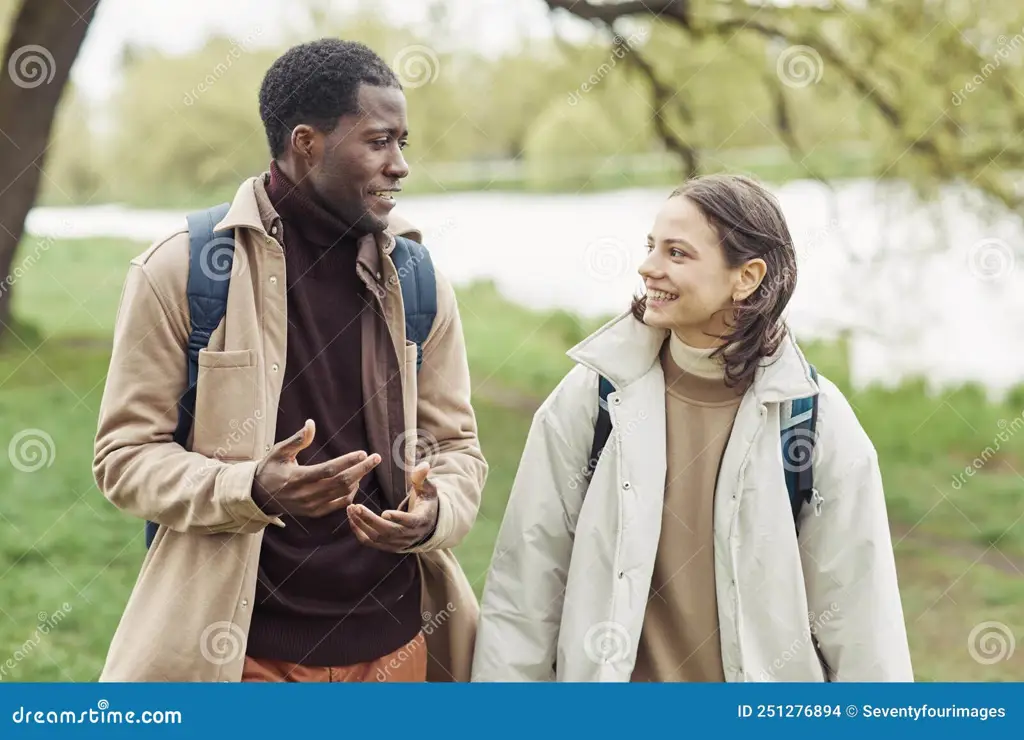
point(617, 401)
point(245, 603)
point(273, 279)
point(274, 367)
point(622, 574)
point(273, 229)
point(626, 486)
point(266, 448)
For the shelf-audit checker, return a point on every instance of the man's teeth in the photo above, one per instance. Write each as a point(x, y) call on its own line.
point(659, 295)
point(383, 194)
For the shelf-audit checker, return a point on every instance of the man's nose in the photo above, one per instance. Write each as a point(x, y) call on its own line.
point(397, 168)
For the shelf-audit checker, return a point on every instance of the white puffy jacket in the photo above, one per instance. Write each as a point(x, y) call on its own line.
point(571, 572)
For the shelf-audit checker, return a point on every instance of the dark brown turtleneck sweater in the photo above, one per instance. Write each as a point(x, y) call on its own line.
point(322, 598)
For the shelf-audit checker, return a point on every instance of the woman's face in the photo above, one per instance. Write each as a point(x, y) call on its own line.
point(690, 287)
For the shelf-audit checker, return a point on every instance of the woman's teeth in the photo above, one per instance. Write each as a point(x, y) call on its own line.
point(661, 296)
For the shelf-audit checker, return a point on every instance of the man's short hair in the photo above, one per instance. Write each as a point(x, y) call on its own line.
point(317, 83)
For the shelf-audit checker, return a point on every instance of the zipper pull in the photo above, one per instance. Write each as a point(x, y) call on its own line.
point(816, 500)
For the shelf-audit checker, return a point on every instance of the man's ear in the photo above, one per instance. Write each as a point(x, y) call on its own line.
point(749, 278)
point(305, 144)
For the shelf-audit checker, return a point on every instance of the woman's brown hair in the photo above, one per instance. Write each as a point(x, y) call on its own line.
point(750, 225)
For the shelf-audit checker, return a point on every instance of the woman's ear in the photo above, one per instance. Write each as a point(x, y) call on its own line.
point(748, 278)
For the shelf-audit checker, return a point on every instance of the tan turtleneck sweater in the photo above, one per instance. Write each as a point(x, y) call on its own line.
point(679, 640)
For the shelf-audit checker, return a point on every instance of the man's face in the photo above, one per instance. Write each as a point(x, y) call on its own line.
point(361, 164)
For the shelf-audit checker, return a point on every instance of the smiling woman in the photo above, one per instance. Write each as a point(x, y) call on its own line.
point(701, 382)
point(720, 270)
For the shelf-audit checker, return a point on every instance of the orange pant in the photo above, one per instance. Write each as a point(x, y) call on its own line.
point(408, 664)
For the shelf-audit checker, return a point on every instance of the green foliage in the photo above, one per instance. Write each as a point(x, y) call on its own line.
point(184, 130)
point(193, 121)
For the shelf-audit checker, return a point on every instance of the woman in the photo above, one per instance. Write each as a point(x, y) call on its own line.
point(681, 558)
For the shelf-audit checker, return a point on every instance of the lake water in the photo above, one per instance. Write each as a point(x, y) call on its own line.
point(926, 289)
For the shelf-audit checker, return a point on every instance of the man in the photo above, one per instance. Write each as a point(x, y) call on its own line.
point(296, 542)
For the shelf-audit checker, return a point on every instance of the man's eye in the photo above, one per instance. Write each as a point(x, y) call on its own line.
point(403, 144)
point(380, 143)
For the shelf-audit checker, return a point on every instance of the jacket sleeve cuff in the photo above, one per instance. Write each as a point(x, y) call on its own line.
point(442, 528)
point(234, 489)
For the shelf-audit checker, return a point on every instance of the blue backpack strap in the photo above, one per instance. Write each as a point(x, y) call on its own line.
point(602, 426)
point(798, 437)
point(210, 259)
point(419, 290)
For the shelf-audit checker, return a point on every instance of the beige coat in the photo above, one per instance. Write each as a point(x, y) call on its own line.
point(189, 612)
point(566, 594)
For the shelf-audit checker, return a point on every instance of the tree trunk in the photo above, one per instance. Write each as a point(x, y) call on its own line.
point(44, 41)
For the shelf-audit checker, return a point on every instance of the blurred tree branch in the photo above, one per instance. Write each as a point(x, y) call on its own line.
point(910, 66)
point(676, 10)
point(663, 95)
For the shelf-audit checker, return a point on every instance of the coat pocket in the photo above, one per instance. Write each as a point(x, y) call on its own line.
point(227, 417)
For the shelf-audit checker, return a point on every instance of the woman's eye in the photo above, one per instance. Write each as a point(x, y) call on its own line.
point(677, 253)
point(649, 248)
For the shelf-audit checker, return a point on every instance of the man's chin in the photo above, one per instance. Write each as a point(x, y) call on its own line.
point(371, 223)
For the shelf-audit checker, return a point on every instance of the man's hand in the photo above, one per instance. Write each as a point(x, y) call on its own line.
point(396, 530)
point(284, 486)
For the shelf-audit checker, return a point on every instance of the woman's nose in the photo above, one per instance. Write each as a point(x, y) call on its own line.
point(649, 267)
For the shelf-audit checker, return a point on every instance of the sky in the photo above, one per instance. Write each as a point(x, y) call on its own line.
point(178, 26)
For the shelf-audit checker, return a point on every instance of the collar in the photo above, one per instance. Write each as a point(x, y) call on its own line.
point(251, 209)
point(624, 350)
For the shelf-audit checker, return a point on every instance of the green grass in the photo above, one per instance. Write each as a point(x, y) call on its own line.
point(61, 541)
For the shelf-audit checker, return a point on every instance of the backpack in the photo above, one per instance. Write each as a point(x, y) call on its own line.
point(799, 419)
point(207, 289)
